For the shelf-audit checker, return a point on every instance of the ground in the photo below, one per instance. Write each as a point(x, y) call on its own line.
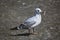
point(14, 12)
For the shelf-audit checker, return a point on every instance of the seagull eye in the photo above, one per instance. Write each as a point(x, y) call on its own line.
point(38, 10)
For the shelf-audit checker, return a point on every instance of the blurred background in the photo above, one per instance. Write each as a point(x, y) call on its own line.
point(14, 12)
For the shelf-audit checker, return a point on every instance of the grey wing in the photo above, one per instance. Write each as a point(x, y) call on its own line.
point(29, 23)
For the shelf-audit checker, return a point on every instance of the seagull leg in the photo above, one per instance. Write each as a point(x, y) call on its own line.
point(33, 30)
point(28, 30)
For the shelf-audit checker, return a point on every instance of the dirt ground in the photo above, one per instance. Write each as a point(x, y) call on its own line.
point(14, 12)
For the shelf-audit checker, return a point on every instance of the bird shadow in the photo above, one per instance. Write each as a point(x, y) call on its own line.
point(15, 28)
point(23, 34)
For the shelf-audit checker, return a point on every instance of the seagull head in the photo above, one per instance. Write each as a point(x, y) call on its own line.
point(38, 10)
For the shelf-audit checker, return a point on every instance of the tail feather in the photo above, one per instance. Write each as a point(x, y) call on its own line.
point(22, 26)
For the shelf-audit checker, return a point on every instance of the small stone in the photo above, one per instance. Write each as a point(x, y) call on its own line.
point(23, 3)
point(51, 27)
point(6, 6)
point(18, 1)
point(1, 3)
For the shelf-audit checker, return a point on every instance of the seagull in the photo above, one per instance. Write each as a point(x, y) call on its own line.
point(32, 22)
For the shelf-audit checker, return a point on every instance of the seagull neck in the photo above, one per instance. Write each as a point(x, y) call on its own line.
point(37, 14)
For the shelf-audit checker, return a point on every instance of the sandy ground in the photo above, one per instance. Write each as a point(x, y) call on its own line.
point(14, 12)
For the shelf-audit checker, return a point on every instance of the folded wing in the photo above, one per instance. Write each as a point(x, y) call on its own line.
point(29, 22)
